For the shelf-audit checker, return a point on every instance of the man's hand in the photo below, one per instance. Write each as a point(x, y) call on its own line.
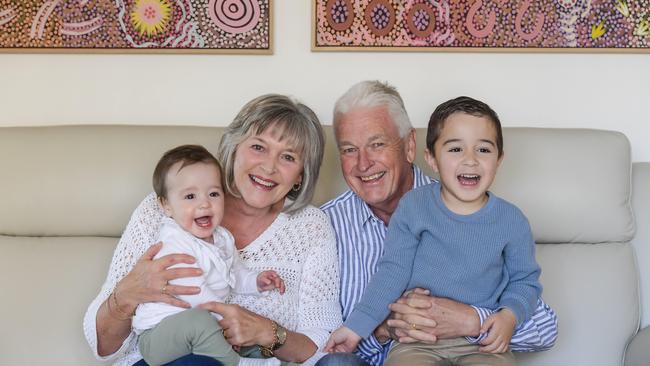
point(382, 332)
point(342, 340)
point(500, 325)
point(418, 317)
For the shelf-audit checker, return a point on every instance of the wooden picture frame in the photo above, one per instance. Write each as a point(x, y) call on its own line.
point(481, 25)
point(136, 26)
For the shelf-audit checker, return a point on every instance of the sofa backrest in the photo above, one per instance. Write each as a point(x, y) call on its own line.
point(68, 193)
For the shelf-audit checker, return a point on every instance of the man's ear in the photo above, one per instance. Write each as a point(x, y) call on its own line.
point(410, 146)
point(431, 161)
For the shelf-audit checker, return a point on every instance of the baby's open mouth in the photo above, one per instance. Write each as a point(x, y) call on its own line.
point(203, 221)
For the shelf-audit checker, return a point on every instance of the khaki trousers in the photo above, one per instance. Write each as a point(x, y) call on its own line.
point(446, 352)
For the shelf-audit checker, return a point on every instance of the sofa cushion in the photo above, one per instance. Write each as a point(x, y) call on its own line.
point(47, 284)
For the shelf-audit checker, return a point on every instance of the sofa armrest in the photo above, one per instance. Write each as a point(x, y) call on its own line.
point(638, 350)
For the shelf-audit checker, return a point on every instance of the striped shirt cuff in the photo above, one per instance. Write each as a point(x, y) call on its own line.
point(483, 314)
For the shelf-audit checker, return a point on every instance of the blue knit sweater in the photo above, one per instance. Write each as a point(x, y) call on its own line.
point(486, 259)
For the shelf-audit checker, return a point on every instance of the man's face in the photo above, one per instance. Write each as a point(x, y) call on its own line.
point(375, 161)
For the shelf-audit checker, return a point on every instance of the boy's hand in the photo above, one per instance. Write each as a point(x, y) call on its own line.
point(500, 325)
point(342, 340)
point(269, 280)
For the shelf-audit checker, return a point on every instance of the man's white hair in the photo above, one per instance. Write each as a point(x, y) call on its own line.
point(374, 93)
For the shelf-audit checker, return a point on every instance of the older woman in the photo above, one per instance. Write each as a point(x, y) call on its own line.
point(271, 155)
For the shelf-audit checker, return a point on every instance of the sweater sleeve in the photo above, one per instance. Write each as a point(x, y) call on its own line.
point(523, 289)
point(320, 312)
point(393, 273)
point(139, 234)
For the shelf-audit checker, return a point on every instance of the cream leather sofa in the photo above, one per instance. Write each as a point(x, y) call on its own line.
point(67, 193)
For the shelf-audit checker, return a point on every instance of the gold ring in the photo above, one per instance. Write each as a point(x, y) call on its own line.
point(223, 332)
point(164, 290)
point(413, 326)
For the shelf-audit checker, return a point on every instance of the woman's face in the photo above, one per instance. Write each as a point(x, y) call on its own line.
point(266, 167)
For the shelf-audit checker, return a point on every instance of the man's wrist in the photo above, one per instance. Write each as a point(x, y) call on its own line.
point(474, 321)
point(381, 333)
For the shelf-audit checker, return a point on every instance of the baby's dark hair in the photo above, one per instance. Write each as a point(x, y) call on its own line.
point(464, 105)
point(188, 155)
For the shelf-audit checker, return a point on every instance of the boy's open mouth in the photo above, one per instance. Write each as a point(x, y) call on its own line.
point(468, 179)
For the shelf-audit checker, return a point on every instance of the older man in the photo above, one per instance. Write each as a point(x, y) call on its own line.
point(377, 148)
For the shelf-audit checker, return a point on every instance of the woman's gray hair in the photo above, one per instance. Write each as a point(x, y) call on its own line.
point(300, 128)
point(374, 93)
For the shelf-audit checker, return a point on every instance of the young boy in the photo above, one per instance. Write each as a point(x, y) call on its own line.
point(188, 183)
point(456, 239)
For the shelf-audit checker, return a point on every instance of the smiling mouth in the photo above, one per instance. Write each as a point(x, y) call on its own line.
point(468, 179)
point(203, 221)
point(263, 182)
point(370, 178)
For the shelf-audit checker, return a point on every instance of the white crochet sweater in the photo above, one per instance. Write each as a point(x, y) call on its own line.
point(300, 247)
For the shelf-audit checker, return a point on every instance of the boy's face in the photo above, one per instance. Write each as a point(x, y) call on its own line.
point(467, 158)
point(194, 198)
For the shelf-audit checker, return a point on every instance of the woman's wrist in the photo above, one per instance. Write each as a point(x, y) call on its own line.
point(124, 303)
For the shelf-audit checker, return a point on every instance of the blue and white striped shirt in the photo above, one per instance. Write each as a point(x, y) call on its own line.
point(360, 238)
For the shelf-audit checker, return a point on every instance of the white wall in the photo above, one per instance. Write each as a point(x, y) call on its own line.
point(605, 91)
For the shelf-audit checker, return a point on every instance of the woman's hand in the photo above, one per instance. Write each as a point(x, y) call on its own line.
point(241, 327)
point(149, 279)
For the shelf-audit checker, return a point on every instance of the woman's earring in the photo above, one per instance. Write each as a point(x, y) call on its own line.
point(296, 187)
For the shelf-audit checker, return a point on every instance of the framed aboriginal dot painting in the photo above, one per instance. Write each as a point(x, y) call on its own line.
point(123, 26)
point(475, 25)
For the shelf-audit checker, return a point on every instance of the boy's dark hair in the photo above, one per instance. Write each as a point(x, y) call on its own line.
point(189, 155)
point(465, 105)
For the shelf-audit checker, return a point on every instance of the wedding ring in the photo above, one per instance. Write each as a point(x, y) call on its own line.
point(164, 290)
point(413, 326)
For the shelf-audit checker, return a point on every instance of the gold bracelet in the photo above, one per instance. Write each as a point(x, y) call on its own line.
point(126, 316)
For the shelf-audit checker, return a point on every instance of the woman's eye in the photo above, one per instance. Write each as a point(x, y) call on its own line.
point(189, 196)
point(289, 158)
point(257, 147)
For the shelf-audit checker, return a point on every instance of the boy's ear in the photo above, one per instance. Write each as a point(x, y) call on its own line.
point(501, 158)
point(431, 161)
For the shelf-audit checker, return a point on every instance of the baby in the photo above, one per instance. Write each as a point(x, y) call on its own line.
point(187, 180)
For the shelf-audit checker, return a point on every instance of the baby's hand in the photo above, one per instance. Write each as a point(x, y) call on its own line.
point(269, 280)
point(500, 325)
point(342, 340)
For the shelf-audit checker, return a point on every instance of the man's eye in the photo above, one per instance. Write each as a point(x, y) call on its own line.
point(348, 150)
point(189, 196)
point(377, 145)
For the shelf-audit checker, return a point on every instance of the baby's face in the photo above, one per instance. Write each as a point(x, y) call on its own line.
point(195, 198)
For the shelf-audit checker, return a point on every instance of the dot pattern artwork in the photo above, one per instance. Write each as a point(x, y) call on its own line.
point(226, 25)
point(489, 24)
